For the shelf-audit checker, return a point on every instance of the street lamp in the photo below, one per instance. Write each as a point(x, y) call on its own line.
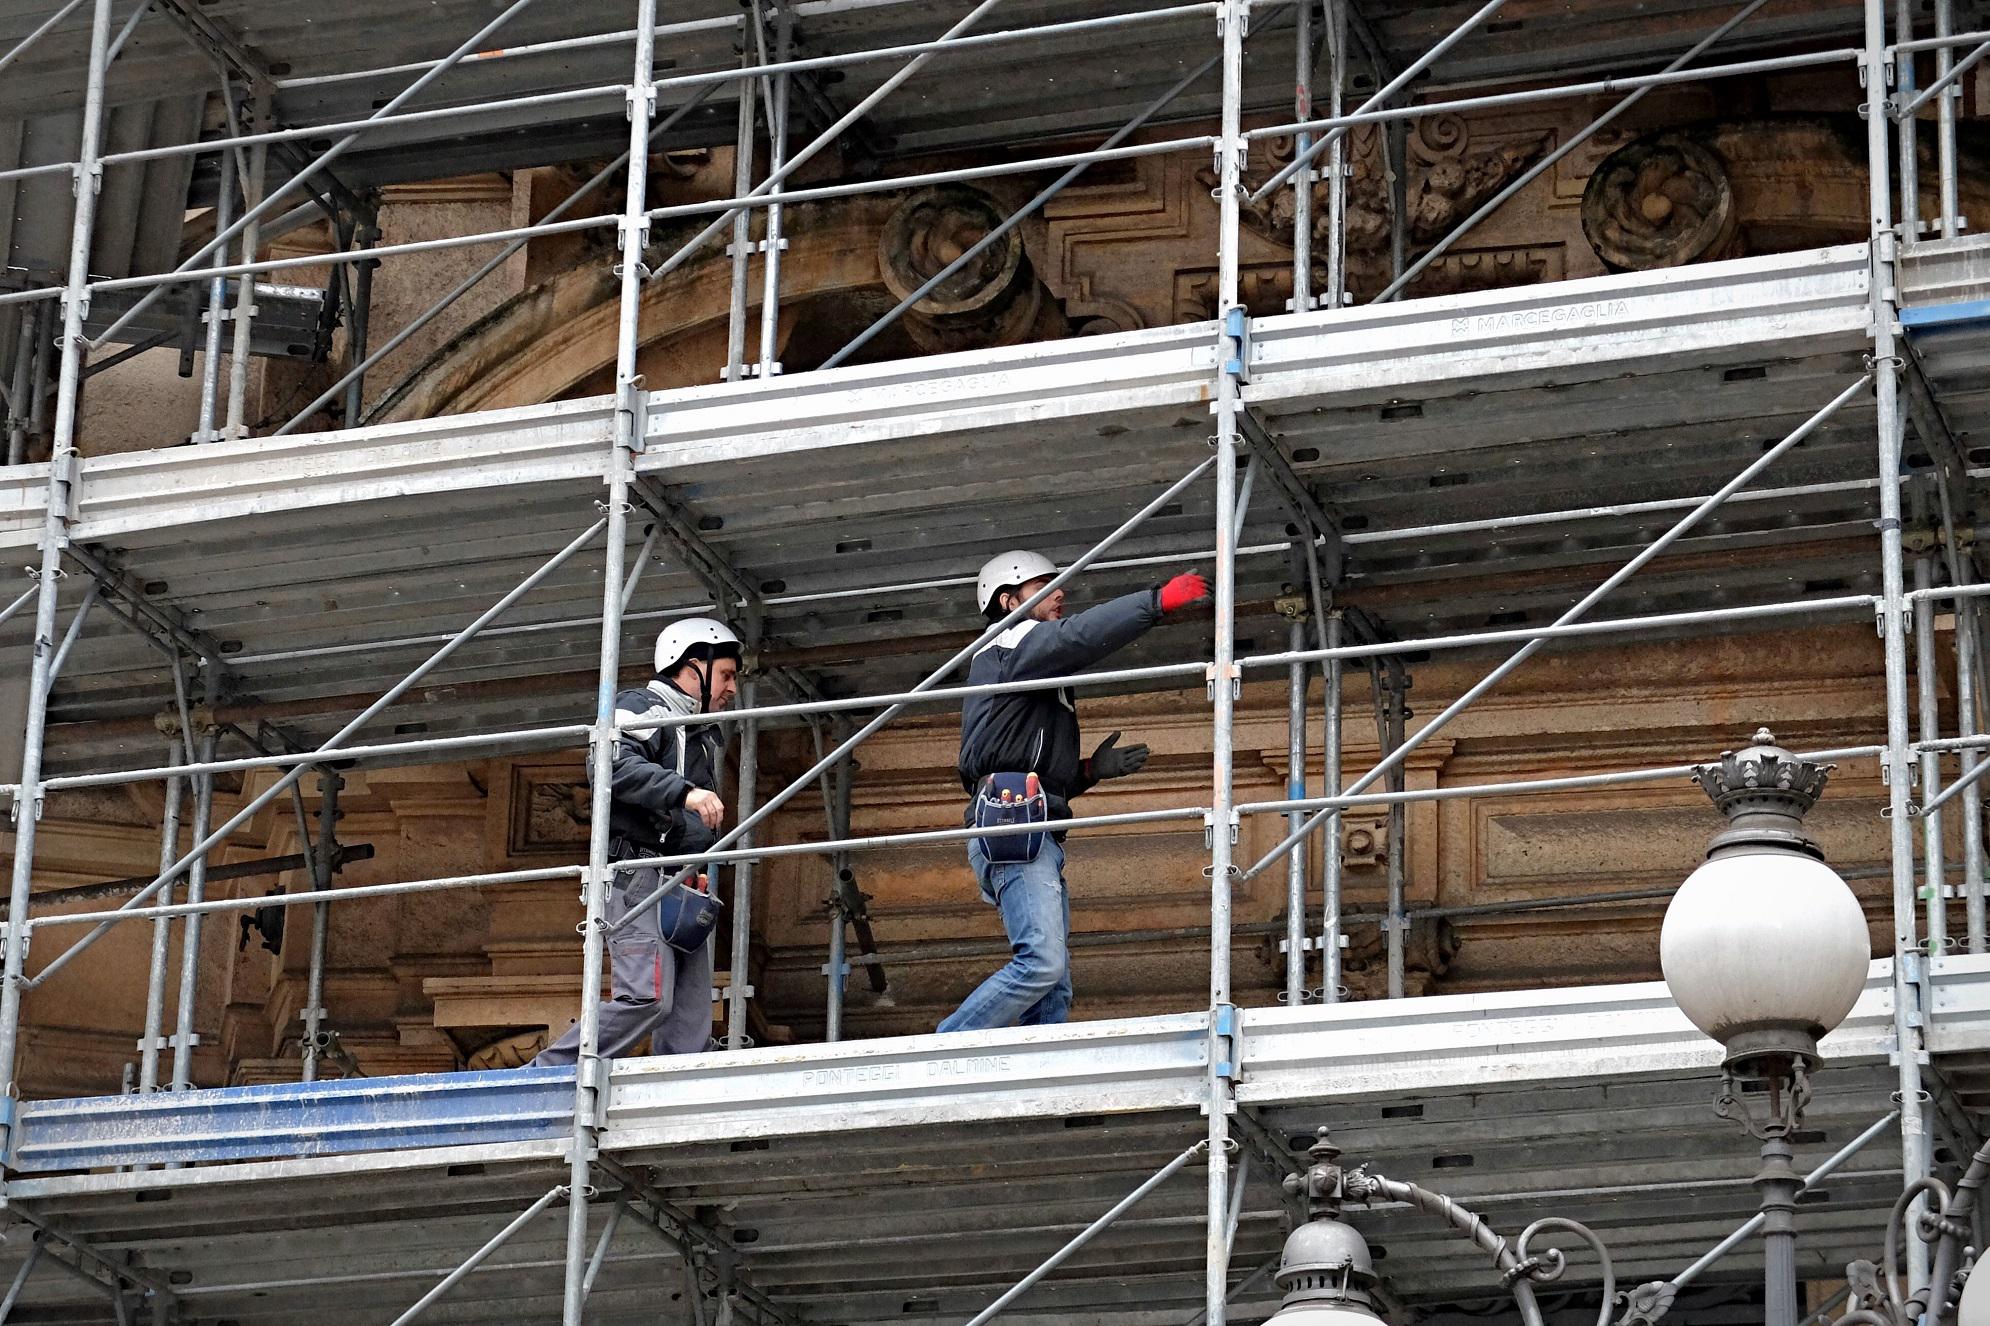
point(1765, 949)
point(1328, 1273)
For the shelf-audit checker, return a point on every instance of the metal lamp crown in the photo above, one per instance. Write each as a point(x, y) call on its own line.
point(1765, 792)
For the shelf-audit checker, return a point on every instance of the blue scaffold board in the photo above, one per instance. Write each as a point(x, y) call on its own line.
point(294, 1119)
point(1940, 317)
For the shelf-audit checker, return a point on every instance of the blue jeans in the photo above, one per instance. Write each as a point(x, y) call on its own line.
point(1034, 989)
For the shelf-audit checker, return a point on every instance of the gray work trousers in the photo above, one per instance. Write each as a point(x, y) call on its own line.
point(658, 990)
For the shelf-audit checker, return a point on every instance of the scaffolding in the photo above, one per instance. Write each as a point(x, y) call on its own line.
point(951, 1176)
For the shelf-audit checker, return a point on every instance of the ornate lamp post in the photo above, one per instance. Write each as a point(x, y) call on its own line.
point(1328, 1274)
point(1766, 949)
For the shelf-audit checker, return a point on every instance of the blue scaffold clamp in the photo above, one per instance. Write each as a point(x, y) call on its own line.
point(1237, 327)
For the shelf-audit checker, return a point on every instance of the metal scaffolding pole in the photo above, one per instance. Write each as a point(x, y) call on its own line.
point(1330, 840)
point(1927, 684)
point(323, 862)
point(162, 930)
point(741, 249)
point(1909, 986)
point(1395, 712)
point(503, 1236)
point(1295, 786)
point(1302, 183)
point(631, 411)
point(1968, 715)
point(1336, 295)
point(1225, 677)
point(1908, 160)
point(1945, 144)
point(64, 474)
point(838, 785)
point(20, 409)
point(203, 818)
point(365, 236)
point(41, 30)
point(777, 155)
point(254, 185)
point(738, 987)
point(216, 310)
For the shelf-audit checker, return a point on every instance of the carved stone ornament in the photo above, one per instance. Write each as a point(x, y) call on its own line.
point(1449, 176)
point(990, 301)
point(1661, 201)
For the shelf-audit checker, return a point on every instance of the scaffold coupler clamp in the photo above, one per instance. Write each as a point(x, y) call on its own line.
point(629, 412)
point(1237, 330)
point(1212, 672)
point(1209, 839)
point(1243, 9)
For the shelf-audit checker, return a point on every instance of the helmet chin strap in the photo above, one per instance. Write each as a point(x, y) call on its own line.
point(704, 683)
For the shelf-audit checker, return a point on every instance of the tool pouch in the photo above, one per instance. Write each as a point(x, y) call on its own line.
point(1004, 799)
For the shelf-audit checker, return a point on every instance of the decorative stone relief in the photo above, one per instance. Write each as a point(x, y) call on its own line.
point(1661, 201)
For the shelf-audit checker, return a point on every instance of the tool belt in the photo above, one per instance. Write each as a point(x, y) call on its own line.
point(688, 911)
point(1003, 800)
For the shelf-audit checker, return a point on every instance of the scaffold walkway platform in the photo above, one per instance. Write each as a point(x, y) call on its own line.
point(1592, 1101)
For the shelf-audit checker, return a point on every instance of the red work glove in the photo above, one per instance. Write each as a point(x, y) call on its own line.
point(1183, 590)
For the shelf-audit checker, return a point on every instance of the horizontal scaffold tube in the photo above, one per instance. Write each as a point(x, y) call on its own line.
point(541, 738)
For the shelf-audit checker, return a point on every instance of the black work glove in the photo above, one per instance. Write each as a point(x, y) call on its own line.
point(1109, 761)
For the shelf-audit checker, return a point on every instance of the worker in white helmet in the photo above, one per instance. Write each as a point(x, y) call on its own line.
point(664, 801)
point(1022, 748)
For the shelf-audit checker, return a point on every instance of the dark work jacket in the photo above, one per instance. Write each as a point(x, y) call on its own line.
point(1037, 731)
point(655, 770)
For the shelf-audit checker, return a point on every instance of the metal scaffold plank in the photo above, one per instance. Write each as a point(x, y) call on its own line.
point(285, 1120)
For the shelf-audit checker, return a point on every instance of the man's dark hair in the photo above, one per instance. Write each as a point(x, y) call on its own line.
point(995, 612)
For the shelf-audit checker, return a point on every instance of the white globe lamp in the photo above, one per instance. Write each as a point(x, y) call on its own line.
point(1764, 947)
point(1974, 1310)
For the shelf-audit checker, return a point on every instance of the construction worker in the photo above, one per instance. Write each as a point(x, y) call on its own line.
point(664, 801)
point(1028, 742)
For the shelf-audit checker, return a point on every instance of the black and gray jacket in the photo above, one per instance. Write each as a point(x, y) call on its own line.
point(655, 770)
point(1037, 731)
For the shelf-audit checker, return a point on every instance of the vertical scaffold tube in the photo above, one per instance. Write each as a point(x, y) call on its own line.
point(211, 405)
point(590, 1070)
point(1302, 183)
point(737, 988)
point(1908, 964)
point(1945, 146)
point(777, 156)
point(162, 932)
point(54, 536)
point(1969, 719)
point(1336, 293)
point(1330, 852)
point(1927, 686)
point(1230, 147)
point(329, 784)
point(742, 222)
point(1909, 130)
point(1295, 788)
point(203, 820)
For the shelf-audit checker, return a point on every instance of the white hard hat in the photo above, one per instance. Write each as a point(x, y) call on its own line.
point(1015, 567)
point(680, 638)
